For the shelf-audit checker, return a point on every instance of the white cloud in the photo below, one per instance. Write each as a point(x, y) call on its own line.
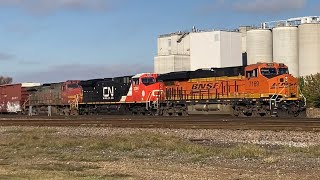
point(49, 6)
point(6, 56)
point(265, 6)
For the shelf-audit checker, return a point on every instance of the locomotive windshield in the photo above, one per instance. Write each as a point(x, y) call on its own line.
point(283, 71)
point(269, 72)
point(73, 86)
point(148, 81)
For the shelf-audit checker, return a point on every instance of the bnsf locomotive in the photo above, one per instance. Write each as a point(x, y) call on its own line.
point(263, 89)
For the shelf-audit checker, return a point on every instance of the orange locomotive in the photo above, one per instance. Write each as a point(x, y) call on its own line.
point(263, 89)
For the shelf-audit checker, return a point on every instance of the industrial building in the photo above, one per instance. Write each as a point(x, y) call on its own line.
point(185, 51)
point(294, 42)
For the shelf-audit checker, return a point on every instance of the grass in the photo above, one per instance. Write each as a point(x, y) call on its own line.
point(271, 159)
point(63, 157)
point(311, 151)
point(61, 167)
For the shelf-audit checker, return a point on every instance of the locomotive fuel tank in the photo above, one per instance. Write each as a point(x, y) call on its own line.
point(209, 109)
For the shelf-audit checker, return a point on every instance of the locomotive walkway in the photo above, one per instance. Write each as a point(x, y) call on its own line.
point(190, 122)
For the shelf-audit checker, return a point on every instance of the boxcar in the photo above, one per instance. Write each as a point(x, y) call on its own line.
point(13, 97)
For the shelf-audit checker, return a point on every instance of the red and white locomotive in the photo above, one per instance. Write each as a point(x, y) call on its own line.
point(137, 94)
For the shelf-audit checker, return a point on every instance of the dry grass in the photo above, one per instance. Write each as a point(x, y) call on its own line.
point(271, 159)
point(311, 151)
point(44, 154)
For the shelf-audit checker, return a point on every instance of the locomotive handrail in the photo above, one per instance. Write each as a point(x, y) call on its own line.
point(75, 103)
point(152, 94)
point(25, 102)
point(275, 96)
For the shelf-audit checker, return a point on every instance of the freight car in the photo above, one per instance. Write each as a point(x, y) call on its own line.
point(13, 97)
point(263, 89)
point(54, 98)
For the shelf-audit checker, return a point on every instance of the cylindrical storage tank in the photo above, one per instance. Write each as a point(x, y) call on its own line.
point(286, 48)
point(259, 46)
point(309, 49)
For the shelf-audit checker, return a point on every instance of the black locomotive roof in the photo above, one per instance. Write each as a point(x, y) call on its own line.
point(90, 82)
point(93, 82)
point(202, 73)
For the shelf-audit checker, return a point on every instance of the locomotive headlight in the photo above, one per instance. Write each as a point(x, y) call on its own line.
point(286, 79)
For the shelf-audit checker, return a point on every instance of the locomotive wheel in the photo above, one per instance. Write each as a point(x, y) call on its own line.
point(185, 113)
point(294, 111)
point(255, 114)
point(235, 113)
point(165, 112)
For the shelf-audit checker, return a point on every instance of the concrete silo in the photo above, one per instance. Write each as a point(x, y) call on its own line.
point(309, 49)
point(286, 48)
point(259, 46)
point(243, 30)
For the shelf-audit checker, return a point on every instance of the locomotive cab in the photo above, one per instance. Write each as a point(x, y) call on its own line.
point(272, 84)
point(72, 93)
point(145, 87)
point(273, 77)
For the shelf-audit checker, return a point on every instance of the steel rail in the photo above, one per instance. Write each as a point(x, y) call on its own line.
point(241, 124)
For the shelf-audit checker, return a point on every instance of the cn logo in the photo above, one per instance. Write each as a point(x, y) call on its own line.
point(108, 93)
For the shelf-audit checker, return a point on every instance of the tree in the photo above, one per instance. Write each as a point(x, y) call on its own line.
point(310, 86)
point(5, 80)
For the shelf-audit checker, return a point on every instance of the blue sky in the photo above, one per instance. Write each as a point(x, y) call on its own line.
point(56, 40)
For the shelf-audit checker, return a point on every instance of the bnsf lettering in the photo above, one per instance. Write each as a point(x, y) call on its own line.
point(281, 85)
point(204, 86)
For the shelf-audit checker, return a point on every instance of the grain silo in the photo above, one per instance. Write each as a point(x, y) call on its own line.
point(243, 30)
point(259, 46)
point(309, 49)
point(286, 48)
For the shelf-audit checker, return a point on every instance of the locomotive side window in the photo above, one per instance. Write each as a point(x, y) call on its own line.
point(148, 81)
point(135, 81)
point(126, 80)
point(253, 73)
point(283, 71)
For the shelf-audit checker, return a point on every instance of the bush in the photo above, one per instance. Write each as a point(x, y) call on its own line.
point(310, 86)
point(5, 80)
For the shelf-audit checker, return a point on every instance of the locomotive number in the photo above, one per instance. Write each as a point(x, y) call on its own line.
point(254, 83)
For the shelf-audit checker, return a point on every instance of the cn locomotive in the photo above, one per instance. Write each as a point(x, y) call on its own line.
point(263, 89)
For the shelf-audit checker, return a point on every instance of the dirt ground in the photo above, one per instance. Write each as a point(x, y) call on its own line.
point(223, 170)
point(48, 153)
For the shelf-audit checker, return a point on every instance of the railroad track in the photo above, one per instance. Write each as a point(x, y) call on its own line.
point(190, 122)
